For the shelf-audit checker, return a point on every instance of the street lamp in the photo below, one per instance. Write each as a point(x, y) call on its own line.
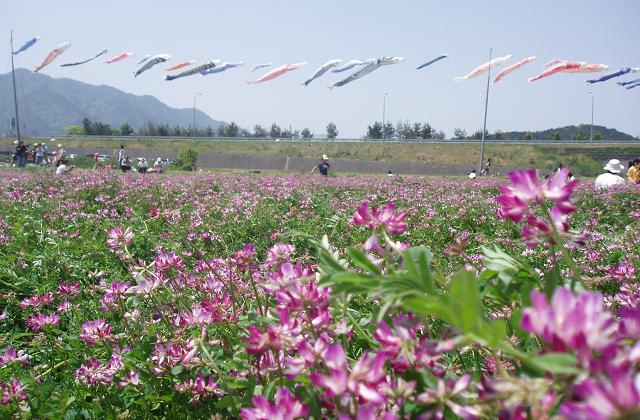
point(384, 109)
point(193, 129)
point(592, 100)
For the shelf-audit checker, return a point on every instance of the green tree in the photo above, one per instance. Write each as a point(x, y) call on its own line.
point(332, 131)
point(555, 136)
point(597, 135)
point(579, 135)
point(374, 131)
point(477, 135)
point(387, 131)
point(186, 159)
point(459, 133)
point(527, 136)
point(426, 131)
point(440, 135)
point(275, 131)
point(306, 133)
point(259, 132)
point(126, 130)
point(73, 130)
point(232, 130)
point(87, 126)
point(498, 135)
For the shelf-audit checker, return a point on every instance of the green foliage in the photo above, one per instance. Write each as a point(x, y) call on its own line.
point(74, 130)
point(332, 131)
point(459, 133)
point(186, 160)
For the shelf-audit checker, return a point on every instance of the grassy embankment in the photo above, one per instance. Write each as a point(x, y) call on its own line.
point(583, 158)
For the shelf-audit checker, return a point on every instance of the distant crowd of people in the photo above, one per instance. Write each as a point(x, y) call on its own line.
point(39, 155)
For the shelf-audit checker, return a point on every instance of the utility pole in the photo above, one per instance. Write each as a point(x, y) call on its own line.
point(15, 96)
point(592, 100)
point(193, 129)
point(384, 110)
point(486, 107)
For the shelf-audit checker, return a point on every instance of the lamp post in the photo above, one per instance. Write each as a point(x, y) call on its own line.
point(384, 110)
point(15, 97)
point(591, 135)
point(486, 107)
point(193, 129)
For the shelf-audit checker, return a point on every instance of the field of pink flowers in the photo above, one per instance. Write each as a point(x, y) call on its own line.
point(282, 297)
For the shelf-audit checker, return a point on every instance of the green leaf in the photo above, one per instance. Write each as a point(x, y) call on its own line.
point(465, 301)
point(430, 306)
point(556, 363)
point(225, 402)
point(361, 260)
point(348, 282)
point(552, 280)
point(417, 261)
point(328, 263)
point(176, 370)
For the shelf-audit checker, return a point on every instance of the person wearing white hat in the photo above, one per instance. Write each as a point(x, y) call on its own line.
point(611, 177)
point(322, 166)
point(60, 155)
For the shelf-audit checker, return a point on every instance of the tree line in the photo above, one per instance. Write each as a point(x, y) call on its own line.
point(402, 130)
point(96, 128)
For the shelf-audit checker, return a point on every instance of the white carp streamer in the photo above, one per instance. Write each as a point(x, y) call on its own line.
point(483, 68)
point(276, 73)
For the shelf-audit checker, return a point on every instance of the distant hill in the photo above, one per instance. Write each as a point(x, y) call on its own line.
point(567, 133)
point(47, 105)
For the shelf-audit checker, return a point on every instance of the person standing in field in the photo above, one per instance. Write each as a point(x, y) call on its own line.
point(45, 155)
point(487, 167)
point(634, 171)
point(21, 153)
point(322, 166)
point(121, 155)
point(39, 153)
point(611, 177)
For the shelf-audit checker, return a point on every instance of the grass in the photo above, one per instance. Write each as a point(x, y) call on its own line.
point(546, 157)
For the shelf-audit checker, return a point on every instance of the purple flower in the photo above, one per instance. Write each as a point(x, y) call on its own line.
point(516, 199)
point(571, 322)
point(616, 396)
point(68, 290)
point(363, 381)
point(559, 190)
point(36, 301)
point(624, 272)
point(287, 275)
point(374, 218)
point(448, 394)
point(11, 355)
point(279, 253)
point(38, 321)
point(94, 331)
point(285, 407)
point(117, 237)
point(94, 373)
point(133, 379)
point(200, 387)
point(14, 391)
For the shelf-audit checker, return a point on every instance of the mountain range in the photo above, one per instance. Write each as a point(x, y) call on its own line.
point(48, 105)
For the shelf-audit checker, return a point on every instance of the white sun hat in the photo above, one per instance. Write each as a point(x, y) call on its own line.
point(614, 166)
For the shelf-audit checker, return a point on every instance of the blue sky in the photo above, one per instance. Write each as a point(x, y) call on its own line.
point(290, 31)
